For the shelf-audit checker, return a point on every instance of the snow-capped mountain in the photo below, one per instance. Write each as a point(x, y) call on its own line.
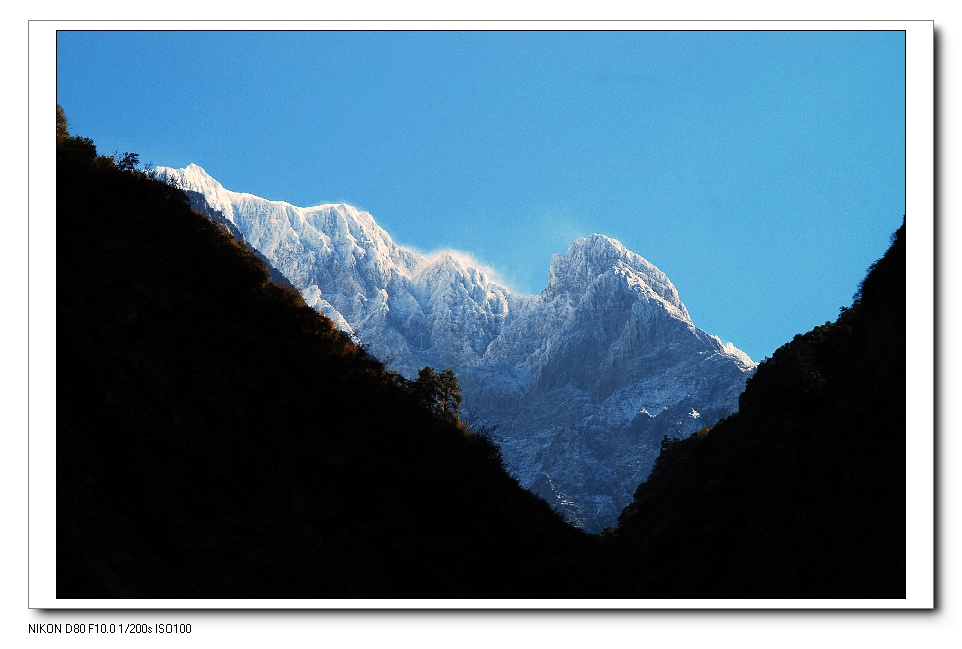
point(581, 381)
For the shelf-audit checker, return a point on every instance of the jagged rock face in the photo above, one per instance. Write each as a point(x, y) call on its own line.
point(581, 381)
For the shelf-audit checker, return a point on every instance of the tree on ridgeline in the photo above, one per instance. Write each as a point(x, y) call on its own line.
point(439, 392)
point(126, 161)
point(62, 132)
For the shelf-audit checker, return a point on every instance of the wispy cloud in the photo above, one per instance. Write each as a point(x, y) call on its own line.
point(467, 260)
point(560, 225)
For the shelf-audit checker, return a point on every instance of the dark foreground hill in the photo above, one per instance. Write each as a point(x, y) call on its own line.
point(217, 438)
point(800, 494)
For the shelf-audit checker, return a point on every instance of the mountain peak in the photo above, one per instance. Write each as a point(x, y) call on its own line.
point(607, 342)
point(193, 175)
point(194, 178)
point(598, 242)
point(594, 257)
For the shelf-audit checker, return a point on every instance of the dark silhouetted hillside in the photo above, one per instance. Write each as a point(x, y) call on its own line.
point(218, 438)
point(801, 493)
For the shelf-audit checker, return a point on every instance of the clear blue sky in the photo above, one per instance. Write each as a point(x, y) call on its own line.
point(762, 171)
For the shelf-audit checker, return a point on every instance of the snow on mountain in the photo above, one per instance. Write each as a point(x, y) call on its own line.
point(581, 381)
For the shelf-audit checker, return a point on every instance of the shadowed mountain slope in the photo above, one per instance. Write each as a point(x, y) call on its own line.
point(801, 493)
point(218, 438)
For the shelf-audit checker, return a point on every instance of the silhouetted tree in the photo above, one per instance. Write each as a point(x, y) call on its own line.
point(450, 393)
point(441, 393)
point(127, 161)
point(62, 132)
